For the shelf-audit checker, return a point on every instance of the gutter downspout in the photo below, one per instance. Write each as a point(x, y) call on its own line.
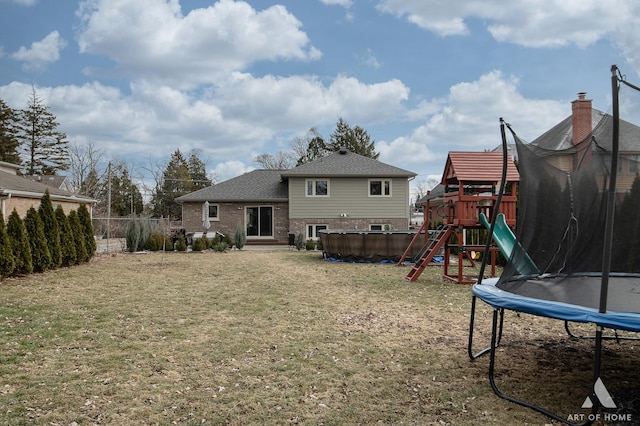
point(3, 205)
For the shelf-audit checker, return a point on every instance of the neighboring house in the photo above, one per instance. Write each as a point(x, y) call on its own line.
point(586, 130)
point(55, 181)
point(22, 193)
point(342, 190)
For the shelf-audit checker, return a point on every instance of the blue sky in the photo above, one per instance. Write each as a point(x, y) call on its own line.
point(235, 79)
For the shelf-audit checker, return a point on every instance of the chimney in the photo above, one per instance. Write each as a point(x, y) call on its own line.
point(580, 118)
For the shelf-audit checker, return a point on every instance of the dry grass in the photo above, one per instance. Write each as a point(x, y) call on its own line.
point(273, 337)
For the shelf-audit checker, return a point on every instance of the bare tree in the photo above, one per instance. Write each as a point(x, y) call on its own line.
point(83, 159)
point(422, 187)
point(280, 161)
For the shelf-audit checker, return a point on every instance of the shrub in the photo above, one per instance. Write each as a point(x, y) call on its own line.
point(310, 245)
point(87, 231)
point(158, 242)
point(19, 244)
point(240, 237)
point(39, 250)
point(221, 247)
point(67, 246)
point(145, 233)
point(133, 235)
point(299, 241)
point(51, 230)
point(77, 230)
point(181, 244)
point(7, 262)
point(319, 244)
point(200, 244)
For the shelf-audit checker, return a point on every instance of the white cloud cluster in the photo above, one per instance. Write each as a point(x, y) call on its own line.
point(543, 23)
point(153, 39)
point(192, 81)
point(468, 120)
point(41, 53)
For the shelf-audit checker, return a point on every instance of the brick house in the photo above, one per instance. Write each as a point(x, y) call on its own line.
point(342, 190)
point(22, 193)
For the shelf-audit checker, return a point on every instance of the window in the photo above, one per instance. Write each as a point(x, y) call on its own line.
point(379, 188)
point(317, 188)
point(633, 164)
point(384, 227)
point(313, 231)
point(213, 212)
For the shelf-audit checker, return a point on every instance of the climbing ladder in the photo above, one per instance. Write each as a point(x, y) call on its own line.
point(434, 243)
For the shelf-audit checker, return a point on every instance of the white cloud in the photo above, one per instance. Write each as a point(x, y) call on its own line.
point(232, 122)
point(285, 103)
point(545, 23)
point(230, 169)
point(41, 53)
point(468, 120)
point(153, 39)
point(370, 60)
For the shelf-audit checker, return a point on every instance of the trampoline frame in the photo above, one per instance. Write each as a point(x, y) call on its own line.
point(602, 317)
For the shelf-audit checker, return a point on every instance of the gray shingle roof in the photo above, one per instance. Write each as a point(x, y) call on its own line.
point(348, 164)
point(14, 184)
point(558, 138)
point(257, 185)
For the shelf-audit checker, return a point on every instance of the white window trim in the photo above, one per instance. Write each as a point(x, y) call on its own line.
point(382, 180)
point(214, 218)
point(306, 185)
point(315, 230)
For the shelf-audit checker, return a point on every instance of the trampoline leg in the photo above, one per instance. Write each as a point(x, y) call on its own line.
point(496, 332)
point(484, 351)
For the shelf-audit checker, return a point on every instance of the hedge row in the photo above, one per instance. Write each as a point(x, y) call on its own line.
point(45, 239)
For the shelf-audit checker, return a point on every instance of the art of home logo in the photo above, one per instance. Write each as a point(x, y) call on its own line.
point(604, 399)
point(602, 394)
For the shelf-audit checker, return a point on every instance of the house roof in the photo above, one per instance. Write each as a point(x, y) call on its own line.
point(559, 137)
point(346, 164)
point(257, 185)
point(477, 167)
point(50, 180)
point(15, 185)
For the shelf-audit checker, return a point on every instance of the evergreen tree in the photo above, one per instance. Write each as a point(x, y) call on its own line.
point(20, 244)
point(314, 147)
point(67, 246)
point(176, 181)
point(7, 261)
point(45, 148)
point(51, 229)
point(39, 249)
point(90, 186)
point(198, 172)
point(133, 235)
point(9, 142)
point(126, 199)
point(356, 140)
point(87, 231)
point(77, 231)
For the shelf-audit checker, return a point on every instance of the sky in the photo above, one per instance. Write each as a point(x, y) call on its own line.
point(235, 79)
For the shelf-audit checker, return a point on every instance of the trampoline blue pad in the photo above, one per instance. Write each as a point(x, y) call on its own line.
point(570, 298)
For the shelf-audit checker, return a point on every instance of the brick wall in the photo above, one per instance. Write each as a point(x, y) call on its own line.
point(299, 225)
point(232, 215)
point(22, 205)
point(581, 118)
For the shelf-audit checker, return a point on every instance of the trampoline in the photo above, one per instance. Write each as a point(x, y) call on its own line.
point(574, 256)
